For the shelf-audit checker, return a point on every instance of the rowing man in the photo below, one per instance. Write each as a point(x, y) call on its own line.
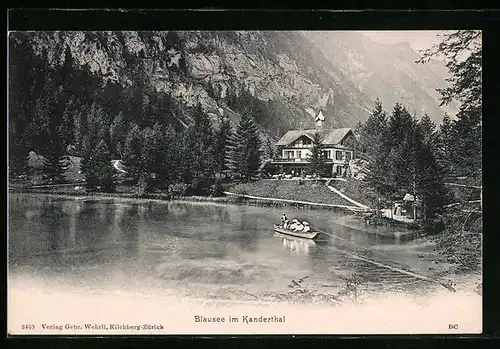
point(283, 219)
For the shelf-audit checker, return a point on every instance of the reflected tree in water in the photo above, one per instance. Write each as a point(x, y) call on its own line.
point(248, 234)
point(51, 221)
point(130, 228)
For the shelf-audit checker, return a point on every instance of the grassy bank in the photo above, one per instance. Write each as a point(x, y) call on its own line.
point(356, 190)
point(160, 196)
point(127, 192)
point(309, 191)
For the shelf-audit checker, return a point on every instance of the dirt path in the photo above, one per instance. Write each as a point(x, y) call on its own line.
point(338, 192)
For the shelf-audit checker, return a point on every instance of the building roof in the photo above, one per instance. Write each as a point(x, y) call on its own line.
point(293, 135)
point(330, 137)
point(335, 136)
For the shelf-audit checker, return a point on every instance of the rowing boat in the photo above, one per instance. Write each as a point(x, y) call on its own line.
point(309, 235)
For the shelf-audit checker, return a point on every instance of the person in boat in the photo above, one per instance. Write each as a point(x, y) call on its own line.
point(299, 226)
point(283, 220)
point(307, 227)
point(293, 225)
point(285, 224)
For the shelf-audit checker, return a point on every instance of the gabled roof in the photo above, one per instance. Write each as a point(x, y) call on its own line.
point(293, 135)
point(330, 137)
point(335, 136)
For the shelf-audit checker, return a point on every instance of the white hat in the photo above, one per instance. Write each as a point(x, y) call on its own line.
point(305, 223)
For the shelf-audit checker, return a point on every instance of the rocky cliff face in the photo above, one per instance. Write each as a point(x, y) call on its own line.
point(387, 71)
point(285, 77)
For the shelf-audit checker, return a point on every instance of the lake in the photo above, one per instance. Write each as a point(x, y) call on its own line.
point(198, 249)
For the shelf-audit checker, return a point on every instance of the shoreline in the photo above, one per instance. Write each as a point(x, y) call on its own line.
point(232, 198)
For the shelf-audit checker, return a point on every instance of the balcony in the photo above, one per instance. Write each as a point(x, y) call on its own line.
point(296, 160)
point(290, 160)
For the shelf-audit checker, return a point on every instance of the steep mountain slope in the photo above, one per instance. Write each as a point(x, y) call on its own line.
point(278, 74)
point(387, 71)
point(285, 78)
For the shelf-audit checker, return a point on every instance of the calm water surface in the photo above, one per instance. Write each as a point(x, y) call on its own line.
point(195, 248)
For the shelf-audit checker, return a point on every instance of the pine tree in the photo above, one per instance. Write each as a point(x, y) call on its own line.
point(430, 188)
point(66, 72)
point(118, 134)
point(397, 126)
point(244, 146)
point(68, 121)
point(380, 176)
point(170, 158)
point(400, 139)
point(50, 133)
point(372, 133)
point(467, 147)
point(80, 126)
point(269, 151)
point(316, 158)
point(133, 153)
point(377, 152)
point(428, 129)
point(445, 144)
point(222, 135)
point(199, 153)
point(188, 154)
point(149, 157)
point(93, 131)
point(57, 160)
point(99, 174)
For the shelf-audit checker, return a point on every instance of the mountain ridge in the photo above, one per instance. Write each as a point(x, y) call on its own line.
point(281, 76)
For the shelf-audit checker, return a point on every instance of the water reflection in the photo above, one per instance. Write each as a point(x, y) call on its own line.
point(128, 226)
point(296, 245)
point(129, 240)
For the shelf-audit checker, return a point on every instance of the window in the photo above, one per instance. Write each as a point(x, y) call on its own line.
point(339, 170)
point(347, 155)
point(299, 154)
point(289, 154)
point(338, 155)
point(327, 154)
point(307, 141)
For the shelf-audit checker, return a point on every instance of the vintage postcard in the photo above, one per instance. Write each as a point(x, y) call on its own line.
point(244, 182)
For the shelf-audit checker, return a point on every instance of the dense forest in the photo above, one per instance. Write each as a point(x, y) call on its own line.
point(416, 155)
point(58, 111)
point(408, 155)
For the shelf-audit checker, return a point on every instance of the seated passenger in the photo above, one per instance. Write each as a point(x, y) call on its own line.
point(283, 219)
point(299, 227)
point(306, 228)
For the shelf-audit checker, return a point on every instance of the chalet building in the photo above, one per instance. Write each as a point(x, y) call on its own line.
point(294, 149)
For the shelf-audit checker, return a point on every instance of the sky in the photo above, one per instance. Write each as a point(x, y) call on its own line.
point(418, 39)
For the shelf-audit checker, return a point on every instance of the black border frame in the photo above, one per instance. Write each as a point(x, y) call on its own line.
point(213, 19)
